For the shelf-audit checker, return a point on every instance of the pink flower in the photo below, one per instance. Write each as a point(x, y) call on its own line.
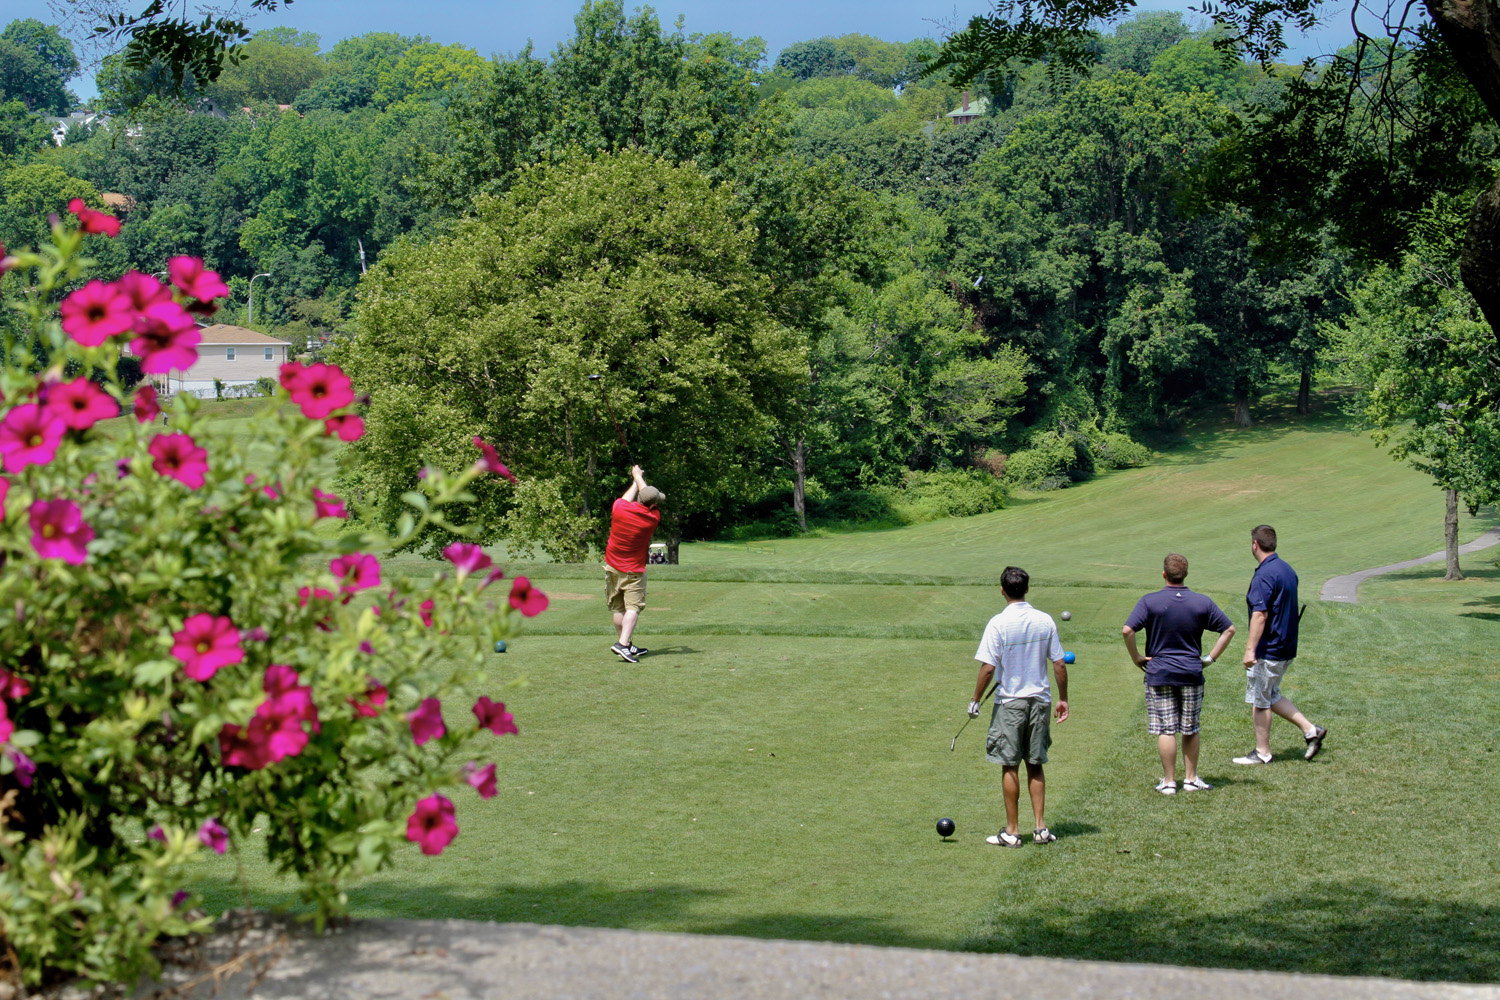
point(493, 716)
point(213, 835)
point(167, 338)
point(207, 644)
point(432, 824)
point(467, 557)
point(318, 389)
point(345, 426)
point(24, 766)
point(327, 505)
point(157, 833)
point(146, 407)
point(95, 313)
point(356, 572)
point(287, 697)
point(306, 594)
point(58, 531)
point(527, 599)
point(491, 460)
point(275, 731)
point(273, 491)
point(482, 778)
point(90, 221)
point(29, 435)
point(177, 455)
point(142, 290)
point(4, 491)
point(12, 686)
point(81, 404)
point(427, 722)
point(374, 700)
point(7, 727)
point(189, 275)
point(498, 573)
point(257, 634)
point(179, 897)
point(425, 610)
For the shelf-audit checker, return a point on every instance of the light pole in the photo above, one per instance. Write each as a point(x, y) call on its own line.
point(251, 309)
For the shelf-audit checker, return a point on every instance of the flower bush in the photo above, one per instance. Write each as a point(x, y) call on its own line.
point(186, 650)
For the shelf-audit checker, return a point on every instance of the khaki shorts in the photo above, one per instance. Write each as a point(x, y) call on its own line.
point(1020, 729)
point(1263, 682)
point(624, 591)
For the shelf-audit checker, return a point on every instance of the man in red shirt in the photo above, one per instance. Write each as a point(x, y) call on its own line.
point(633, 519)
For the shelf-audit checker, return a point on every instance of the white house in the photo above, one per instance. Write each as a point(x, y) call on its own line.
point(231, 354)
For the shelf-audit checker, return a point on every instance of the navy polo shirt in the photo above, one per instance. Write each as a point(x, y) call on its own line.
point(1273, 589)
point(1175, 619)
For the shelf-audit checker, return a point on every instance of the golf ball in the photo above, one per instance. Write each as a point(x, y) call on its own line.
point(1069, 657)
point(1067, 616)
point(946, 827)
point(500, 647)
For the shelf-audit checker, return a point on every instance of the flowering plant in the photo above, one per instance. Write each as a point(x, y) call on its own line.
point(186, 650)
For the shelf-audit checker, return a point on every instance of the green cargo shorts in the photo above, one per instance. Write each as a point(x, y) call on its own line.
point(1020, 729)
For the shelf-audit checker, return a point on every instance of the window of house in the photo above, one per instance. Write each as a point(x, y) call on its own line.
point(229, 354)
point(268, 353)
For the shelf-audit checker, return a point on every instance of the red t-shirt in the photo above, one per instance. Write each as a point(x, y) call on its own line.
point(630, 527)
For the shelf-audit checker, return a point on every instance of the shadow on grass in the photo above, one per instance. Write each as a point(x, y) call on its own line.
point(1336, 928)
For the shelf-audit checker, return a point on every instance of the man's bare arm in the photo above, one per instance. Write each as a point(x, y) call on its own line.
point(638, 480)
point(1135, 655)
point(1257, 629)
point(1061, 672)
point(986, 671)
point(1222, 644)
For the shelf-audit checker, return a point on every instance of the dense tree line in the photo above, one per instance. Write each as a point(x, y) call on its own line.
point(1079, 265)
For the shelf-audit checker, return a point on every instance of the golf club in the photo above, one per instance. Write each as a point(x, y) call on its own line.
point(618, 433)
point(971, 718)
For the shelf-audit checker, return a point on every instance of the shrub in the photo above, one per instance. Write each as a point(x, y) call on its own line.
point(182, 653)
point(1054, 456)
point(953, 493)
point(1117, 451)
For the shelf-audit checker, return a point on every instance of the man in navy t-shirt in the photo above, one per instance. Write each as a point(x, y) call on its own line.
point(1271, 646)
point(1175, 619)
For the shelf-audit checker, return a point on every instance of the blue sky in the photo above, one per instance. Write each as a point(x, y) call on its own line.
point(504, 26)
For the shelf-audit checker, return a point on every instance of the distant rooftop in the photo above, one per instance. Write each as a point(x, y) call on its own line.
point(223, 333)
point(972, 107)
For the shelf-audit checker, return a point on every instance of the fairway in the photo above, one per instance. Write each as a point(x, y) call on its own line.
point(776, 765)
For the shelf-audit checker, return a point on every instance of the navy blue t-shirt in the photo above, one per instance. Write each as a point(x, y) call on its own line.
point(1175, 619)
point(1273, 589)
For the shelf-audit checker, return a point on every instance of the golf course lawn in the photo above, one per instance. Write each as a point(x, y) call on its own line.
point(776, 765)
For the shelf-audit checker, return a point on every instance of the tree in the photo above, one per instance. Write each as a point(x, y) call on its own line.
point(27, 76)
point(618, 265)
point(21, 131)
point(270, 69)
point(430, 70)
point(46, 42)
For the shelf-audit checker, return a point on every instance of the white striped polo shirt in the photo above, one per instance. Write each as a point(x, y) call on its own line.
point(1018, 642)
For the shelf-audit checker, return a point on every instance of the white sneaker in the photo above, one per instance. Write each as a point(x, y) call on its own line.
point(1166, 787)
point(1196, 785)
point(1253, 757)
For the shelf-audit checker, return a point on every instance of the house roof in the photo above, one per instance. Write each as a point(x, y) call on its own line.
point(223, 333)
point(117, 201)
point(976, 106)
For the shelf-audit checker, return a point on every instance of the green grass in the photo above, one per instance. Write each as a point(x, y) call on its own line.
point(776, 766)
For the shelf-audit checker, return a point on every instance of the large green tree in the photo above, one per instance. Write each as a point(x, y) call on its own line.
point(619, 265)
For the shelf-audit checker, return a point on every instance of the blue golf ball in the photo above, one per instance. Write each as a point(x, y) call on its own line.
point(500, 647)
point(1069, 657)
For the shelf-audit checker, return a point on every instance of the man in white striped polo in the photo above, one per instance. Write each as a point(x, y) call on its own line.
point(1018, 642)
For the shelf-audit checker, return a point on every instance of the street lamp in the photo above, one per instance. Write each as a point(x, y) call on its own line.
point(251, 310)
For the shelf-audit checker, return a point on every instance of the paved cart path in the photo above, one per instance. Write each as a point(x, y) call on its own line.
point(1346, 588)
point(461, 960)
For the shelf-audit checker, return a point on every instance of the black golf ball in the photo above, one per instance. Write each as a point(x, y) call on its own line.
point(946, 827)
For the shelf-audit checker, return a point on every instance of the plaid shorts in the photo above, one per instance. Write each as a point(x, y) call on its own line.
point(1173, 709)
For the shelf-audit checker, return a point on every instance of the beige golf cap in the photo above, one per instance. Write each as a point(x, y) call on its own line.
point(651, 496)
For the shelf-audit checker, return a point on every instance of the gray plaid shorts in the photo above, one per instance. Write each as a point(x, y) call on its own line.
point(1172, 708)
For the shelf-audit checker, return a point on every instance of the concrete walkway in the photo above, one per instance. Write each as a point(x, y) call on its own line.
point(1346, 588)
point(460, 960)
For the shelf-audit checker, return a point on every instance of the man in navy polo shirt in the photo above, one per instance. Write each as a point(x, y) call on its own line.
point(1271, 647)
point(1175, 619)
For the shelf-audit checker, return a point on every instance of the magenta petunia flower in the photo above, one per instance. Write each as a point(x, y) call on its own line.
point(427, 722)
point(272, 491)
point(81, 404)
point(527, 599)
point(432, 824)
point(467, 557)
point(23, 767)
point(318, 389)
point(355, 572)
point(374, 700)
point(328, 505)
point(214, 835)
point(206, 644)
point(96, 312)
point(29, 435)
point(345, 426)
point(91, 221)
point(178, 456)
point(493, 716)
point(491, 460)
point(482, 778)
point(498, 573)
point(157, 833)
point(58, 531)
point(7, 727)
point(425, 610)
point(142, 290)
point(190, 276)
point(4, 492)
point(167, 339)
point(13, 686)
point(147, 408)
